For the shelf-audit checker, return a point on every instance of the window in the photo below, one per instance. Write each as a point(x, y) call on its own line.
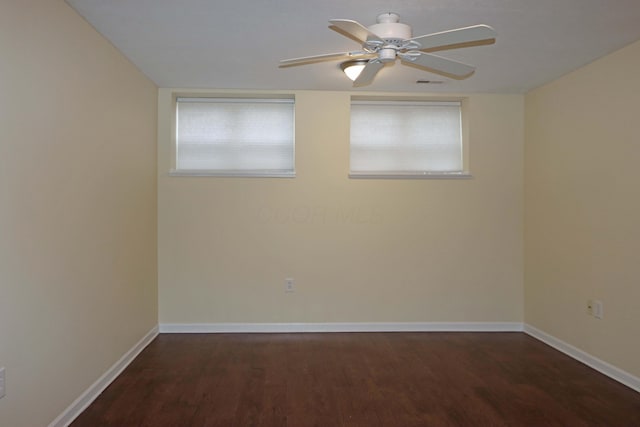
point(235, 137)
point(414, 139)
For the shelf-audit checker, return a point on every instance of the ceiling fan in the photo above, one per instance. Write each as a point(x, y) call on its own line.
point(389, 39)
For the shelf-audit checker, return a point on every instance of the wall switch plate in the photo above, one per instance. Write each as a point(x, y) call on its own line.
point(289, 285)
point(2, 383)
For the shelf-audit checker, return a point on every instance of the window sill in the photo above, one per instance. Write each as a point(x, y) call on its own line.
point(410, 175)
point(234, 174)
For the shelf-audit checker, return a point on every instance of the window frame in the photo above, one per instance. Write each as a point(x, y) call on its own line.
point(232, 97)
point(464, 173)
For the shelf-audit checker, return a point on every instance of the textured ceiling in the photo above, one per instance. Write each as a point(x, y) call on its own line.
point(237, 44)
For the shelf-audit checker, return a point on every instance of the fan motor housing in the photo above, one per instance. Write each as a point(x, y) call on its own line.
point(389, 28)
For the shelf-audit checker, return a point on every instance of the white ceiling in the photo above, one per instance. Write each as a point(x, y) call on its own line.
point(238, 43)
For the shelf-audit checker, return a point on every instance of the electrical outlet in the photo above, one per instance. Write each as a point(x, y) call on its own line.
point(598, 310)
point(289, 285)
point(595, 308)
point(2, 383)
point(590, 307)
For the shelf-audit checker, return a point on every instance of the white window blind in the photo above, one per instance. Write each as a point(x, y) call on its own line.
point(405, 138)
point(235, 136)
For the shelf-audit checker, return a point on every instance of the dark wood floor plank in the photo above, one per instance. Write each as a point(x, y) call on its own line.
point(359, 380)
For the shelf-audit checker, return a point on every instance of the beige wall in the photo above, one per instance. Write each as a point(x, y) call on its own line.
point(77, 208)
point(359, 250)
point(582, 229)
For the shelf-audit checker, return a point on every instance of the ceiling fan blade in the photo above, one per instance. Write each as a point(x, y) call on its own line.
point(368, 73)
point(438, 64)
point(472, 34)
point(325, 57)
point(356, 30)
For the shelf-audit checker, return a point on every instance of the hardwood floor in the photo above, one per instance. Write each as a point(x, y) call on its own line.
point(359, 379)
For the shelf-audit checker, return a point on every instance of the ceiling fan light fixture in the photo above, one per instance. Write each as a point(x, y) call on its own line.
point(353, 67)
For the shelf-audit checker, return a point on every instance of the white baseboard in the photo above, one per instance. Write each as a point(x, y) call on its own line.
point(340, 327)
point(85, 399)
point(601, 366)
